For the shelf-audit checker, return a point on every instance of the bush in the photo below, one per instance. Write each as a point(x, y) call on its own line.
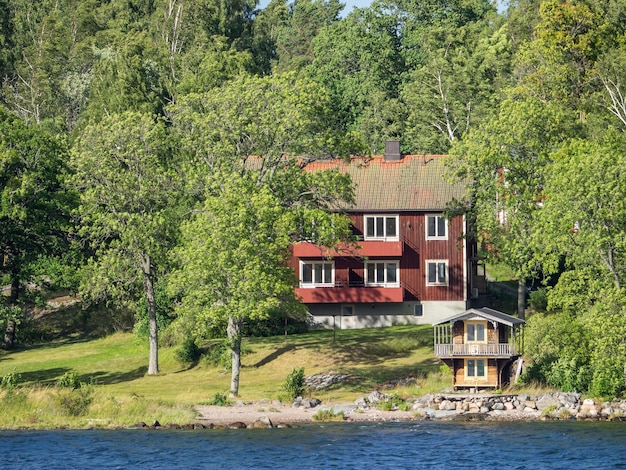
point(69, 380)
point(220, 354)
point(538, 299)
point(328, 415)
point(294, 385)
point(74, 402)
point(219, 399)
point(10, 380)
point(189, 352)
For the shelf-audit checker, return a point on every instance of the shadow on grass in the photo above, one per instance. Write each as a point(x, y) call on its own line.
point(275, 355)
point(42, 377)
point(108, 378)
point(374, 378)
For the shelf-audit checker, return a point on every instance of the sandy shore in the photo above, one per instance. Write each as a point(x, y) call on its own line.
point(278, 413)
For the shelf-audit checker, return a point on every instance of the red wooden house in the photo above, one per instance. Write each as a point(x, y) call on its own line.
point(412, 265)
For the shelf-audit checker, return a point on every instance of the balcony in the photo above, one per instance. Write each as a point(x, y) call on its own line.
point(365, 248)
point(351, 293)
point(462, 350)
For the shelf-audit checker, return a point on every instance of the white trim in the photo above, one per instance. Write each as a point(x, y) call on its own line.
point(437, 262)
point(384, 236)
point(385, 283)
point(436, 236)
point(313, 284)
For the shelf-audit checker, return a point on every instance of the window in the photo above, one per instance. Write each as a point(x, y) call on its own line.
point(475, 368)
point(383, 227)
point(437, 273)
point(418, 310)
point(475, 332)
point(382, 273)
point(317, 273)
point(436, 227)
point(347, 310)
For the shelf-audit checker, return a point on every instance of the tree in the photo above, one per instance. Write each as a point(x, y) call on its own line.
point(503, 163)
point(359, 61)
point(128, 194)
point(244, 146)
point(234, 255)
point(34, 206)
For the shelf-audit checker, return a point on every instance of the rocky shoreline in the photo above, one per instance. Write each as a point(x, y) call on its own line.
point(371, 408)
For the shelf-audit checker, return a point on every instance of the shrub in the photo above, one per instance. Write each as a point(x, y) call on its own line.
point(74, 402)
point(189, 352)
point(328, 415)
point(219, 399)
point(294, 385)
point(538, 299)
point(69, 380)
point(395, 402)
point(10, 380)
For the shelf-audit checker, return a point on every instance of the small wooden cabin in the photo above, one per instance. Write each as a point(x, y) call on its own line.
point(479, 345)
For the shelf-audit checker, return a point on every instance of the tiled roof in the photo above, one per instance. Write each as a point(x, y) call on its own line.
point(415, 182)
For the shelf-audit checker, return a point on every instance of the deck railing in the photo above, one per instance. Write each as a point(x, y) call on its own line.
point(499, 349)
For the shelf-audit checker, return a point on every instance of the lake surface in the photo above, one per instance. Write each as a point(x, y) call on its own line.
point(432, 445)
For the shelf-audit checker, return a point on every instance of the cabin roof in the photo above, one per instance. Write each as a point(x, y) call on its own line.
point(487, 314)
point(413, 183)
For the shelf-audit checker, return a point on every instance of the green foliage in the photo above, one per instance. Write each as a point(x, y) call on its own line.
point(220, 354)
point(188, 352)
point(74, 402)
point(328, 415)
point(9, 381)
point(558, 347)
point(70, 379)
point(219, 399)
point(393, 403)
point(538, 299)
point(294, 384)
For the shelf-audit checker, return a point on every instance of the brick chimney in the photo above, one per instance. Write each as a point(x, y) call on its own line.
point(392, 151)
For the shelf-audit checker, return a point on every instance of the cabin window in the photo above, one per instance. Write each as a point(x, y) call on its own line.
point(382, 273)
point(436, 227)
point(317, 273)
point(381, 227)
point(475, 332)
point(475, 368)
point(437, 272)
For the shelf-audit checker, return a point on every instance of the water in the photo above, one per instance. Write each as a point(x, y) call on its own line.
point(431, 445)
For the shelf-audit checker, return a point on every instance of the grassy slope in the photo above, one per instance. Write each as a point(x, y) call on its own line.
point(123, 394)
point(117, 364)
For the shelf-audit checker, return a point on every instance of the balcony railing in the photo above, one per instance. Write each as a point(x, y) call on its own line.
point(498, 349)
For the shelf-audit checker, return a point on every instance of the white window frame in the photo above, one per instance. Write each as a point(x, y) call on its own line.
point(437, 220)
point(438, 263)
point(315, 266)
point(472, 334)
point(385, 272)
point(472, 369)
point(381, 233)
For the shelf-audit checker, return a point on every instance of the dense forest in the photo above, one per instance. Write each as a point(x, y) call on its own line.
point(145, 144)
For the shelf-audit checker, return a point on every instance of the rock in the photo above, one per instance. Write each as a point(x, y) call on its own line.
point(546, 401)
point(139, 425)
point(588, 402)
point(447, 405)
point(376, 397)
point(262, 423)
point(235, 425)
point(362, 402)
point(156, 424)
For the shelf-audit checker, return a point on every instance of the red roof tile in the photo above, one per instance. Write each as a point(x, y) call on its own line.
point(415, 182)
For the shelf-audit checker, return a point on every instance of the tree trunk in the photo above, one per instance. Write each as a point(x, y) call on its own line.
point(521, 298)
point(148, 287)
point(9, 333)
point(234, 337)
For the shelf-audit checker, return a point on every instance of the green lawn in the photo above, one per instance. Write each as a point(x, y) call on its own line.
point(116, 366)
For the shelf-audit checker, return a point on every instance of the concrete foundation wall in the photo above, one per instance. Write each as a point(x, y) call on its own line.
point(380, 315)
